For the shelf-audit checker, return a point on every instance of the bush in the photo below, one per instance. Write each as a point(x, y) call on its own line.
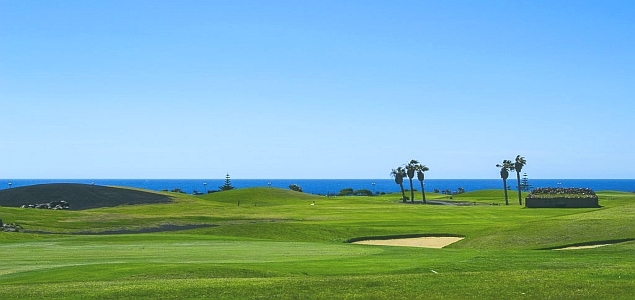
point(351, 192)
point(295, 187)
point(346, 192)
point(562, 193)
point(363, 192)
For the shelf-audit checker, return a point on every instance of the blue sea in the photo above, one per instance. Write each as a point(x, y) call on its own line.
point(333, 186)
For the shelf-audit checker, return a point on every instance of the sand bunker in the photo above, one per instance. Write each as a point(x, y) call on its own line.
point(583, 247)
point(424, 242)
point(590, 245)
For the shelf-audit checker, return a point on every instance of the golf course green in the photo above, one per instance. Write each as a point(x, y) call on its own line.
point(269, 243)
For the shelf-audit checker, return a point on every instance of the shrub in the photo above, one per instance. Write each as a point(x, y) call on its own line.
point(561, 193)
point(346, 192)
point(363, 192)
point(295, 187)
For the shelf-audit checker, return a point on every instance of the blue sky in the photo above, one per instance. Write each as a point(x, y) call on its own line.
point(315, 89)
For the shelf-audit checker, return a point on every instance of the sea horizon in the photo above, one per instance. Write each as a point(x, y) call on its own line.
point(333, 186)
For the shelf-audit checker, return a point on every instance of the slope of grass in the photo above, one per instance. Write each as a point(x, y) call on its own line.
point(79, 196)
point(283, 244)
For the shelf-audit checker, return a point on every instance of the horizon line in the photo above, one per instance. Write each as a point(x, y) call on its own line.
point(7, 179)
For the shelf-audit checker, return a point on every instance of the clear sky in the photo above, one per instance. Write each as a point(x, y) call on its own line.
point(315, 89)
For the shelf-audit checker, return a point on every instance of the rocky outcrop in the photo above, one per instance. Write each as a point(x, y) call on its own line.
point(10, 227)
point(54, 205)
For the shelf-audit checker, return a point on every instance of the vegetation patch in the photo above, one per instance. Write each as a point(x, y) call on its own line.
point(578, 193)
point(562, 197)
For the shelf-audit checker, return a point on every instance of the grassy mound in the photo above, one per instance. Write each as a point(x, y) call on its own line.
point(287, 245)
point(260, 195)
point(79, 196)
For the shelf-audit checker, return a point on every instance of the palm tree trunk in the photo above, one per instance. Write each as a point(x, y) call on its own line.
point(520, 199)
point(403, 193)
point(423, 193)
point(505, 188)
point(412, 192)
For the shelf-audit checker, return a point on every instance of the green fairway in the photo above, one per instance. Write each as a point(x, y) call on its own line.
point(265, 243)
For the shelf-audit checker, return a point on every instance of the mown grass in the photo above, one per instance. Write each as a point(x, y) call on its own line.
point(285, 245)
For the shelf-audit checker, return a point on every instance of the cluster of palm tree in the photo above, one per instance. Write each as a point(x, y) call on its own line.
point(409, 170)
point(506, 166)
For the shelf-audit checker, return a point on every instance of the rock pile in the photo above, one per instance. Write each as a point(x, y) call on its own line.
point(54, 205)
point(13, 227)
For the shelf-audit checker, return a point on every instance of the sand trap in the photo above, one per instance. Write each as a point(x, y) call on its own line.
point(423, 242)
point(583, 247)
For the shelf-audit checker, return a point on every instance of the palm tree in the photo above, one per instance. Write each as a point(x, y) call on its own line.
point(411, 168)
point(506, 166)
point(518, 166)
point(399, 173)
point(420, 169)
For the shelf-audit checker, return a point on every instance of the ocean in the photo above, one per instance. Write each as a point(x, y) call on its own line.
point(333, 186)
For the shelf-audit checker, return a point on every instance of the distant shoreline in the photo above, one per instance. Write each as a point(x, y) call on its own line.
point(333, 186)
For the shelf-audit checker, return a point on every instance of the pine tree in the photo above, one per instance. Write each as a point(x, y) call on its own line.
point(228, 184)
point(524, 183)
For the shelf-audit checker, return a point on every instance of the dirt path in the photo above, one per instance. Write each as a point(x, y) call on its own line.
point(423, 242)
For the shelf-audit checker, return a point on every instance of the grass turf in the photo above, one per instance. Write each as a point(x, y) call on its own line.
point(275, 244)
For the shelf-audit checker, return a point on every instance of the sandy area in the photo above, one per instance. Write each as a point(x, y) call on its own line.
point(583, 247)
point(424, 242)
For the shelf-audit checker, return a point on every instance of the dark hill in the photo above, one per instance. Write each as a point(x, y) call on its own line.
point(79, 196)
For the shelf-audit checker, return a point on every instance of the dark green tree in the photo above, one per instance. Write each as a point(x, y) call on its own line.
point(420, 176)
point(398, 174)
point(505, 166)
point(363, 192)
point(518, 166)
point(411, 168)
point(346, 192)
point(295, 187)
point(228, 184)
point(524, 183)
